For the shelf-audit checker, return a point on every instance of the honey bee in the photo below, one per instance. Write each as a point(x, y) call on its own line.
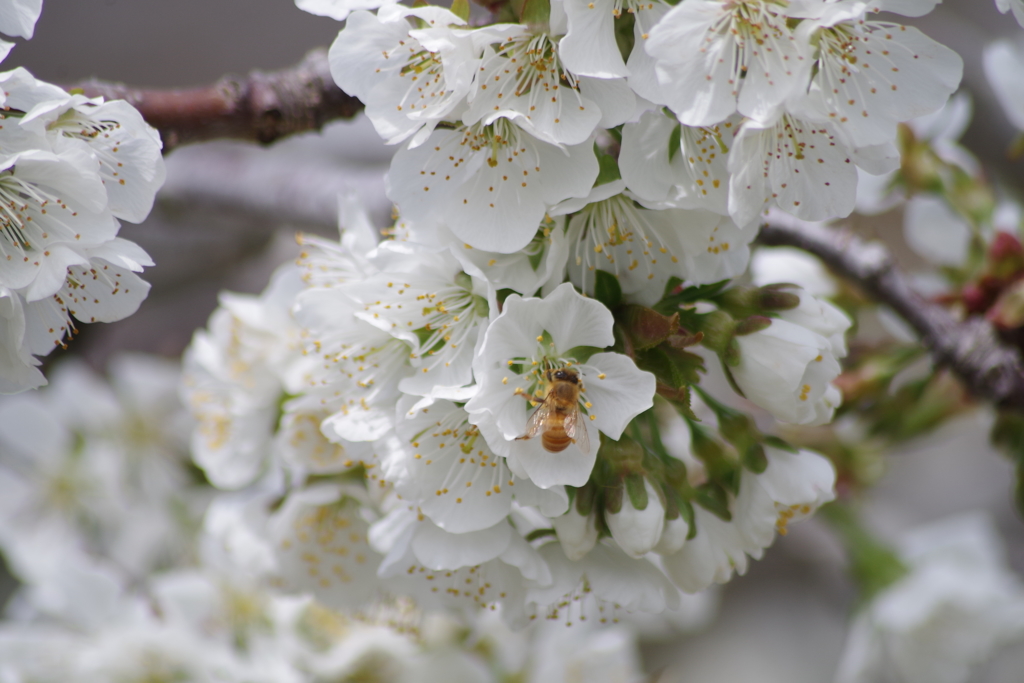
point(557, 419)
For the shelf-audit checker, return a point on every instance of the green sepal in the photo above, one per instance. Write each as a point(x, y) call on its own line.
point(776, 442)
point(637, 491)
point(686, 511)
point(608, 167)
point(675, 140)
point(607, 289)
point(675, 368)
point(713, 498)
point(586, 496)
point(754, 458)
point(539, 533)
point(613, 499)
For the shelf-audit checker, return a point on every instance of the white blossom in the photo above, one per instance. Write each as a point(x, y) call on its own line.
point(786, 369)
point(522, 79)
point(531, 337)
point(693, 176)
point(644, 248)
point(456, 479)
point(600, 587)
point(935, 231)
point(954, 607)
point(638, 531)
point(234, 380)
point(1016, 6)
point(409, 78)
point(339, 9)
point(792, 487)
point(871, 75)
point(716, 57)
point(320, 541)
point(771, 265)
point(1004, 64)
point(818, 315)
point(426, 300)
point(490, 184)
point(484, 568)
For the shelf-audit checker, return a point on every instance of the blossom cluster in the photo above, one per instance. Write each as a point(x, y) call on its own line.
point(120, 579)
point(500, 404)
point(71, 168)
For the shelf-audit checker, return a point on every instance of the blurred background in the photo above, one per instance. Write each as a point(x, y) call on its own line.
point(229, 212)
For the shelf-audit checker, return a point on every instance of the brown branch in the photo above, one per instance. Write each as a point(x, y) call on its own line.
point(262, 107)
point(989, 369)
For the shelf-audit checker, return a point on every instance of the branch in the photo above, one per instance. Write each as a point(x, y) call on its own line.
point(262, 107)
point(989, 369)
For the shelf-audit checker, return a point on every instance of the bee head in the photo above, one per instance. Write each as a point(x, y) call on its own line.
point(565, 375)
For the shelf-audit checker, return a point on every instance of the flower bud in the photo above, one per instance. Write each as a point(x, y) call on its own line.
point(577, 533)
point(673, 536)
point(786, 369)
point(647, 328)
point(776, 298)
point(638, 524)
point(754, 323)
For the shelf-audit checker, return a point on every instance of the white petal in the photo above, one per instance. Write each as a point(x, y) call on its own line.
point(589, 47)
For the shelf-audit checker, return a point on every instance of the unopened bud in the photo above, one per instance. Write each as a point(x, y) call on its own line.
point(717, 327)
point(740, 301)
point(673, 536)
point(648, 328)
point(776, 298)
point(638, 529)
point(577, 533)
point(754, 323)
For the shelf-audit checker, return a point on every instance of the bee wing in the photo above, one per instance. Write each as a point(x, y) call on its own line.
point(536, 422)
point(576, 429)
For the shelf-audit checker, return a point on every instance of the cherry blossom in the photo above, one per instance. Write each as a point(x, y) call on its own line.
point(531, 337)
point(490, 184)
point(716, 57)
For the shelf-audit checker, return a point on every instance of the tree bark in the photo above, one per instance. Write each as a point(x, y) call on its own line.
point(261, 107)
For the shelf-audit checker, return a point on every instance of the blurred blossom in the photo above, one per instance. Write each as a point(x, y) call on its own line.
point(956, 604)
point(1004, 66)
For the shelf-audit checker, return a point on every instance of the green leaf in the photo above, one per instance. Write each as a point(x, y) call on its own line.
point(607, 289)
point(536, 12)
point(460, 8)
point(671, 302)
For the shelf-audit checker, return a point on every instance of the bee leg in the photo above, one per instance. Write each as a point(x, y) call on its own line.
point(532, 400)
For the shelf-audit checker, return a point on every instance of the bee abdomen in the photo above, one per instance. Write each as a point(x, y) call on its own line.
point(555, 441)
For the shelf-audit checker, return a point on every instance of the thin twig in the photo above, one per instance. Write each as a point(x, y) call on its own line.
point(262, 107)
point(990, 369)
